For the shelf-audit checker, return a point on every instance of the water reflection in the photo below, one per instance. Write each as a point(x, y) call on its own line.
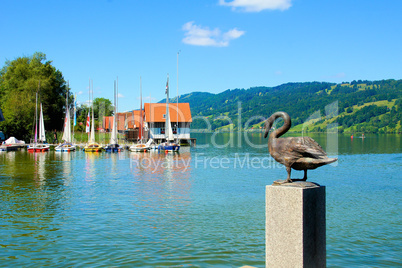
point(162, 175)
point(30, 197)
point(152, 210)
point(332, 143)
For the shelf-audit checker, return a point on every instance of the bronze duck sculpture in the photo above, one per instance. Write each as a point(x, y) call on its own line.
point(299, 153)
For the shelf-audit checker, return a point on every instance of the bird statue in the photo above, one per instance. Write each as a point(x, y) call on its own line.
point(299, 153)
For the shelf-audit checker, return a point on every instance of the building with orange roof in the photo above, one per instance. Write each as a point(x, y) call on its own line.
point(154, 118)
point(125, 121)
point(180, 120)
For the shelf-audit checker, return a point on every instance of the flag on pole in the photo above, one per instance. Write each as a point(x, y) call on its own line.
point(75, 110)
point(87, 128)
point(167, 86)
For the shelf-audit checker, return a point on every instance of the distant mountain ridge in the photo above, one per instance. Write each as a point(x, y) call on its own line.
point(358, 106)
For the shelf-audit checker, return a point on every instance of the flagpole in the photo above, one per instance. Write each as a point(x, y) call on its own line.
point(89, 106)
point(68, 86)
point(141, 127)
point(117, 108)
point(75, 116)
point(177, 106)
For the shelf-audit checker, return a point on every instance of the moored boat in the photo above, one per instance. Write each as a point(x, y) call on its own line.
point(38, 144)
point(113, 146)
point(12, 144)
point(140, 146)
point(93, 147)
point(37, 148)
point(170, 145)
point(67, 146)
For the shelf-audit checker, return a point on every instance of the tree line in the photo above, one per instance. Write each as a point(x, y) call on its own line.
point(370, 106)
point(24, 78)
point(300, 101)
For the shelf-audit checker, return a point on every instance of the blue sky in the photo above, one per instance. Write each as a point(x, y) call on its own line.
point(223, 44)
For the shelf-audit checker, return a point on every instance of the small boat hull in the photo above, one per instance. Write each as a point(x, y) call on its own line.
point(139, 148)
point(66, 147)
point(93, 148)
point(170, 147)
point(38, 148)
point(8, 148)
point(114, 148)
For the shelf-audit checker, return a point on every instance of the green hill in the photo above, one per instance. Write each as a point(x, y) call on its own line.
point(359, 106)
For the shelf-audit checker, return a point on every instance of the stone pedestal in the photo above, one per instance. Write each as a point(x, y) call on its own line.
point(295, 226)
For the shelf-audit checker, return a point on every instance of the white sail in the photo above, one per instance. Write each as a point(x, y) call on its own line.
point(92, 139)
point(42, 136)
point(67, 128)
point(113, 138)
point(168, 127)
point(168, 131)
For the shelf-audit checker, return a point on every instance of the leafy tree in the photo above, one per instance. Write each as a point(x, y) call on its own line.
point(102, 107)
point(20, 80)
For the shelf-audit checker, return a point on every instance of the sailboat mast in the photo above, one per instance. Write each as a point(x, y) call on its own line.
point(67, 125)
point(89, 105)
point(167, 107)
point(177, 104)
point(150, 116)
point(68, 114)
point(141, 127)
point(36, 116)
point(92, 99)
point(68, 85)
point(117, 108)
point(75, 115)
point(93, 119)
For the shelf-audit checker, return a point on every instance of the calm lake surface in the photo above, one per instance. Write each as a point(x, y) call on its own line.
point(203, 207)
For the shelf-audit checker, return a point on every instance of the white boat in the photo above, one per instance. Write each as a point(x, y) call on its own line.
point(38, 143)
point(12, 144)
point(113, 146)
point(92, 146)
point(67, 145)
point(140, 146)
point(170, 145)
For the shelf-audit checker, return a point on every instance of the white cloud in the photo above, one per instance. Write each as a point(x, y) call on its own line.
point(120, 95)
point(80, 93)
point(257, 5)
point(202, 36)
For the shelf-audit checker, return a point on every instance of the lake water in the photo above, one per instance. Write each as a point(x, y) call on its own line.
point(203, 207)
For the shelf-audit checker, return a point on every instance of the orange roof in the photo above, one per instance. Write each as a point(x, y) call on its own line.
point(154, 112)
point(133, 120)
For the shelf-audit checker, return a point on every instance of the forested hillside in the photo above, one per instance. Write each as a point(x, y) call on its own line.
point(359, 106)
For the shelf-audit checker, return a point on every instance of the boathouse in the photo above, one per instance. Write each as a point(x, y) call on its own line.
point(154, 120)
point(180, 121)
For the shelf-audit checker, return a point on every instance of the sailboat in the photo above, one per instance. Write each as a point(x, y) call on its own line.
point(114, 147)
point(92, 145)
point(67, 145)
point(141, 147)
point(37, 145)
point(169, 145)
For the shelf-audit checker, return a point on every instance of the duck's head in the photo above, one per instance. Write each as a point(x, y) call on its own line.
point(268, 125)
